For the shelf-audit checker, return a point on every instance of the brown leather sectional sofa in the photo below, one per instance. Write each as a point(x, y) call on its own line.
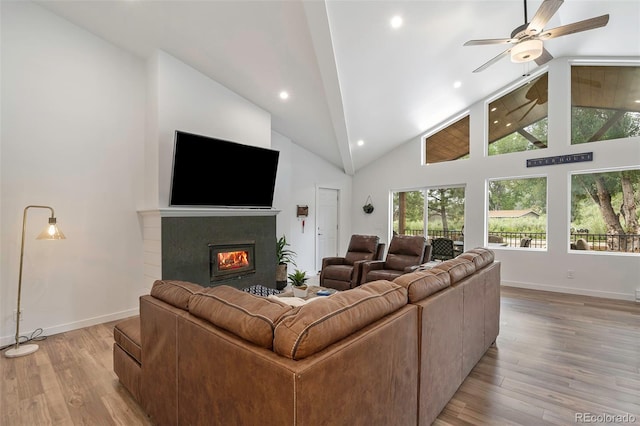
point(382, 353)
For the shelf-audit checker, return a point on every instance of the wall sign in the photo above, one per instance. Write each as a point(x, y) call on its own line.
point(560, 159)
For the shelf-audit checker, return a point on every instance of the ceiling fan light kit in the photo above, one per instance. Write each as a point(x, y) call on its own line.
point(526, 51)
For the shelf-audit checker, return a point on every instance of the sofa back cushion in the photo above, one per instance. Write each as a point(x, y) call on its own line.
point(314, 326)
point(422, 284)
point(250, 317)
point(480, 256)
point(175, 293)
point(458, 268)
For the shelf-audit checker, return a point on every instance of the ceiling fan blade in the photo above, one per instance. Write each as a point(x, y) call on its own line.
point(488, 41)
point(546, 10)
point(544, 58)
point(576, 27)
point(492, 61)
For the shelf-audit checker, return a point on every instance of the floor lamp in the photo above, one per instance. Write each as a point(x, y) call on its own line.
point(51, 232)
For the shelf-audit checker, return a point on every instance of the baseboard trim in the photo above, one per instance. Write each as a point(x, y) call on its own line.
point(570, 290)
point(50, 331)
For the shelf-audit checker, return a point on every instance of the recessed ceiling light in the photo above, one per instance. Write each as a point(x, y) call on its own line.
point(284, 95)
point(637, 101)
point(508, 124)
point(396, 21)
point(457, 84)
point(493, 109)
point(495, 122)
point(360, 142)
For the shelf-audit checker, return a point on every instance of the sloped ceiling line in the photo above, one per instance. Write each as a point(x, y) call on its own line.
point(318, 21)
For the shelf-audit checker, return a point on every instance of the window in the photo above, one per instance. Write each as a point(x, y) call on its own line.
point(605, 103)
point(604, 211)
point(445, 212)
point(445, 217)
point(518, 213)
point(408, 213)
point(518, 120)
point(450, 143)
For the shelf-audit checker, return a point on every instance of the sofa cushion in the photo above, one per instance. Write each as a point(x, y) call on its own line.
point(480, 256)
point(126, 334)
point(457, 268)
point(175, 293)
point(250, 317)
point(422, 284)
point(383, 274)
point(314, 326)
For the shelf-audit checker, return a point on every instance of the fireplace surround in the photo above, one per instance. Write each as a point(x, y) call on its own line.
point(186, 236)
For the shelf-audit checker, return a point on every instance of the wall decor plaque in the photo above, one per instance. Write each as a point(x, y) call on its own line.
point(560, 159)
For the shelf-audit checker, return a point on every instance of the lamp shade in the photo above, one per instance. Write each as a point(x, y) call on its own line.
point(526, 51)
point(51, 232)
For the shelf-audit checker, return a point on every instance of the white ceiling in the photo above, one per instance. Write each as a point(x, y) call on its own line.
point(349, 74)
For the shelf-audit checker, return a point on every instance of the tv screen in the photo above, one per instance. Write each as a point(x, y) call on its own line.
point(213, 172)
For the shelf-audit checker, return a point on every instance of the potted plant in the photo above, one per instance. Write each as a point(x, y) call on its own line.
point(284, 256)
point(299, 283)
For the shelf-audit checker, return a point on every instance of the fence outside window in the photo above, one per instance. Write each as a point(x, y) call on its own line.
point(625, 243)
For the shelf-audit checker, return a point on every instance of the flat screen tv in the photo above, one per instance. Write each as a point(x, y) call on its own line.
point(209, 172)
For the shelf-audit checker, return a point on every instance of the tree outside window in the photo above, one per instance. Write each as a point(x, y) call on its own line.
point(604, 211)
point(445, 212)
point(408, 213)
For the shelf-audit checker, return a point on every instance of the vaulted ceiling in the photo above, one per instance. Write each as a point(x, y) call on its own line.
point(350, 75)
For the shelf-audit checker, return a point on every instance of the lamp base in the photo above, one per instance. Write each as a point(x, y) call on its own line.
point(21, 350)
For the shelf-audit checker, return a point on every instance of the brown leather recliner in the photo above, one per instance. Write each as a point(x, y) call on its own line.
point(406, 253)
point(343, 273)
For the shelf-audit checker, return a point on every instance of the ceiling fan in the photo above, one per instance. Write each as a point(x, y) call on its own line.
point(527, 39)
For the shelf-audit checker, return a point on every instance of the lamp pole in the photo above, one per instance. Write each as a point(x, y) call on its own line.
point(50, 233)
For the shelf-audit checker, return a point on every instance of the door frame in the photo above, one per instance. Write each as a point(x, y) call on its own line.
point(317, 214)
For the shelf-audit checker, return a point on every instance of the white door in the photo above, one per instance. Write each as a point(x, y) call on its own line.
point(327, 225)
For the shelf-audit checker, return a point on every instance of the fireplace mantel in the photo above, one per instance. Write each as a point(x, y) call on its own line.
point(207, 212)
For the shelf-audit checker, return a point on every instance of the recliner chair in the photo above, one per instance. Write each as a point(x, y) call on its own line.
point(406, 254)
point(343, 273)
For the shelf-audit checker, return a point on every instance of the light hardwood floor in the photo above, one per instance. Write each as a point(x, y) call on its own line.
point(556, 356)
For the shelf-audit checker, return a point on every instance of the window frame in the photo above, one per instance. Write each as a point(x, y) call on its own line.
point(516, 84)
point(487, 205)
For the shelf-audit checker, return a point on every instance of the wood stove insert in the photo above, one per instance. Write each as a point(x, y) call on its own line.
point(230, 260)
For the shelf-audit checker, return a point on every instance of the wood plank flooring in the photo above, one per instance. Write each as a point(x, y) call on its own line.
point(557, 356)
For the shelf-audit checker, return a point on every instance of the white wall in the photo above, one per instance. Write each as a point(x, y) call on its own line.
point(605, 275)
point(300, 173)
point(72, 138)
point(188, 100)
